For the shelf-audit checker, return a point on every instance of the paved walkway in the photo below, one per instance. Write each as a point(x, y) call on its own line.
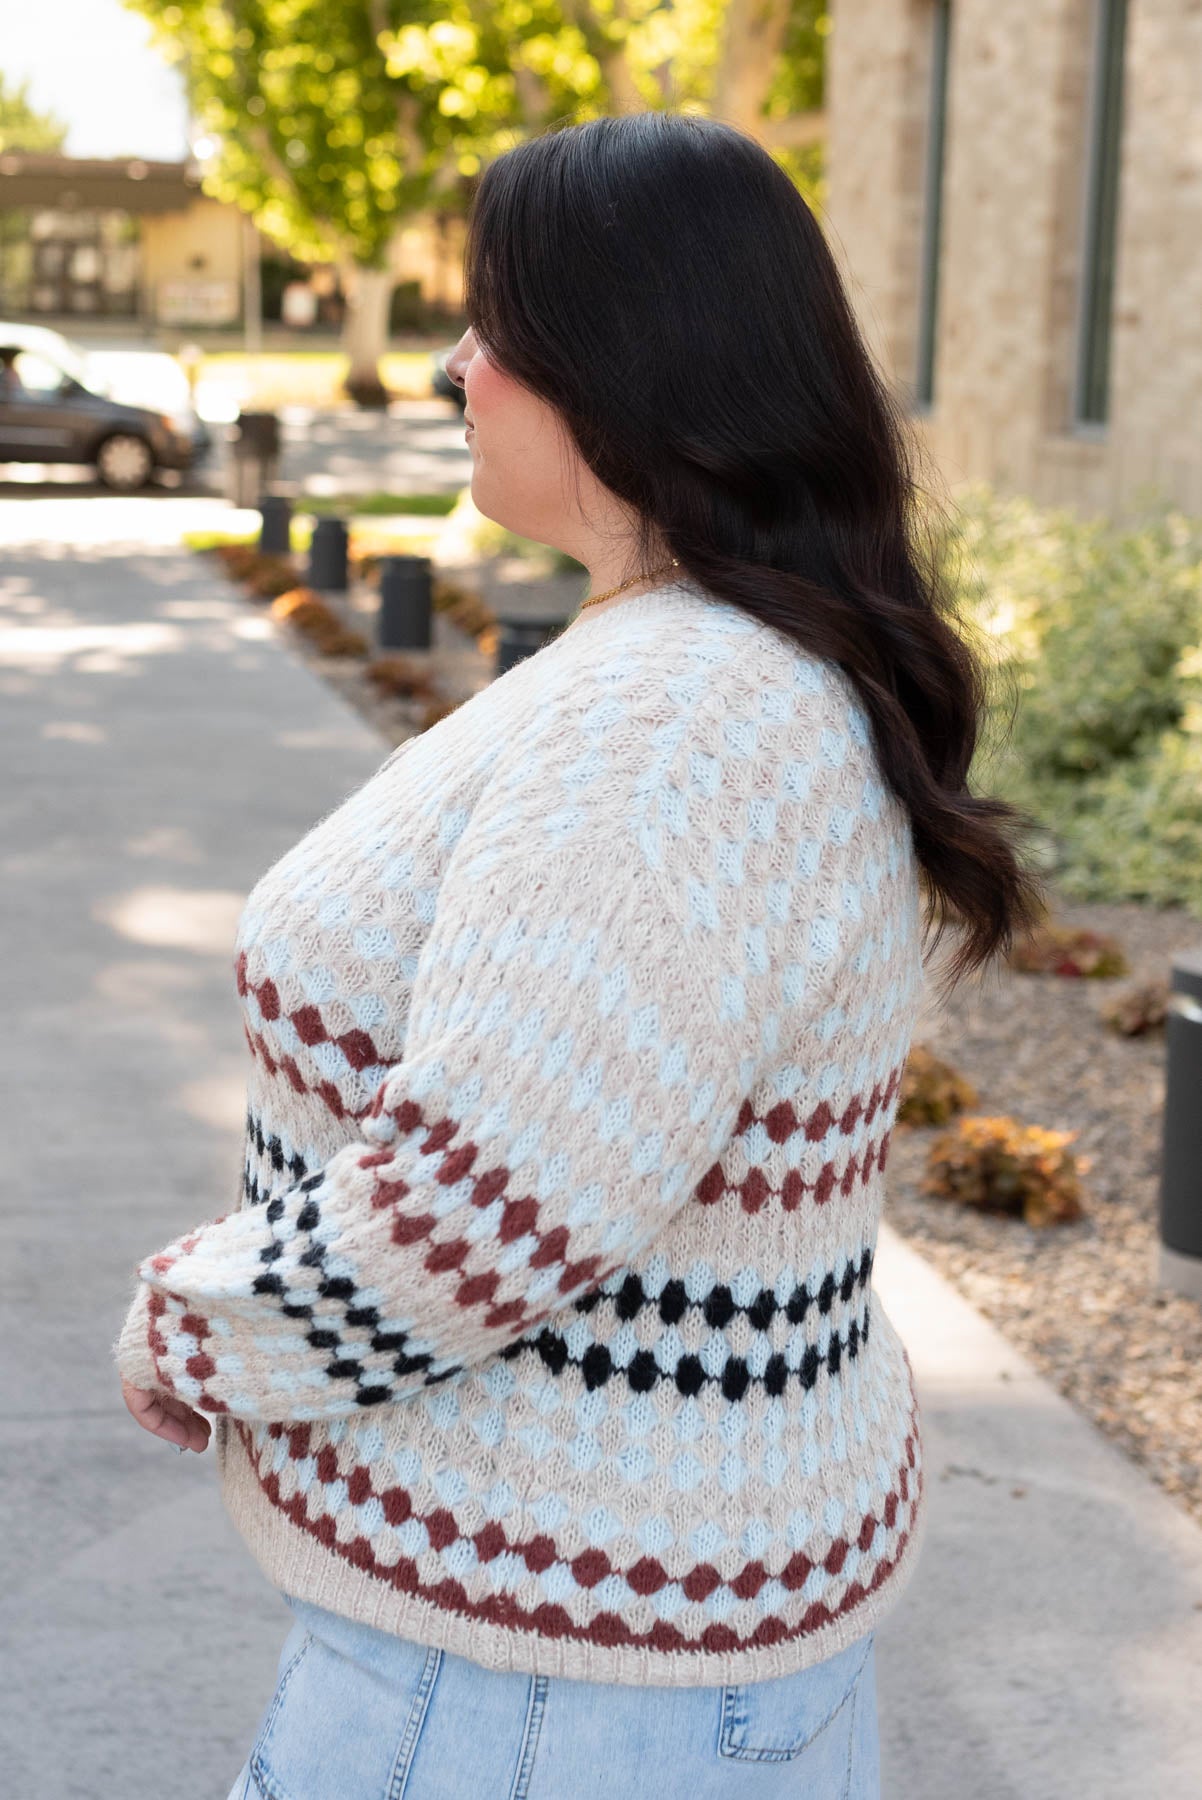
point(1050, 1645)
point(163, 747)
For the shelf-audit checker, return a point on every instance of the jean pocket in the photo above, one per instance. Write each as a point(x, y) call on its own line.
point(775, 1720)
point(297, 1646)
point(347, 1712)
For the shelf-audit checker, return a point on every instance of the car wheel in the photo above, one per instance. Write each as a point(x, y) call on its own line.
point(124, 462)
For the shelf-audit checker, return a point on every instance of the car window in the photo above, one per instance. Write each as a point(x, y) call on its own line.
point(37, 374)
point(71, 361)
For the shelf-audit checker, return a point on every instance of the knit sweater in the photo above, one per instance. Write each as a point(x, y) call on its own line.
point(542, 1328)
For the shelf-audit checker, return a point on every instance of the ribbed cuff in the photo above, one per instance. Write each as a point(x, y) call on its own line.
point(131, 1349)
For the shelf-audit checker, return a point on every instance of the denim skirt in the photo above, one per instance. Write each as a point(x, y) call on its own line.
point(358, 1714)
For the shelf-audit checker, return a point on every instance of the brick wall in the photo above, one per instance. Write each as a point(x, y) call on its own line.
point(1016, 152)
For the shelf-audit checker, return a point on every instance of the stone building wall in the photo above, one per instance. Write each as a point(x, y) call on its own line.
point(1019, 97)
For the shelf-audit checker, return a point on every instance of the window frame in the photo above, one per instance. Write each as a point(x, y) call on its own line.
point(934, 166)
point(1102, 198)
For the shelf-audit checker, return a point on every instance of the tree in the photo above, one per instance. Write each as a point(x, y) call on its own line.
point(339, 120)
point(316, 140)
point(22, 127)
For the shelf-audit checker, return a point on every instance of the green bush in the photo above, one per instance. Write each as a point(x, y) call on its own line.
point(1091, 630)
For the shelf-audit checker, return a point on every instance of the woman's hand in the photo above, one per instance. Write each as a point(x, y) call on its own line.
point(166, 1416)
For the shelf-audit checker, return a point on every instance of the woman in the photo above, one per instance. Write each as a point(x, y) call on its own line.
point(547, 1380)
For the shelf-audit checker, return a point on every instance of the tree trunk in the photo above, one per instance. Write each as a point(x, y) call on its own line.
point(365, 332)
point(752, 34)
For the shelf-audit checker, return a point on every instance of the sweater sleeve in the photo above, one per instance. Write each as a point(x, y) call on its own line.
point(580, 1043)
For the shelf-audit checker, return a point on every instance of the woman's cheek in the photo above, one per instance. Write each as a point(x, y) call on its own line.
point(485, 388)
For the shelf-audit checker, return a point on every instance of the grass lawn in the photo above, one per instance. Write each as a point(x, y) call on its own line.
point(411, 534)
point(368, 506)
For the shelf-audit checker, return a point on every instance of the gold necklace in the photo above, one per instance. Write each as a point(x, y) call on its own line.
point(610, 592)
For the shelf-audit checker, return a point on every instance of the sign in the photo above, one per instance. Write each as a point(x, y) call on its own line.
point(187, 301)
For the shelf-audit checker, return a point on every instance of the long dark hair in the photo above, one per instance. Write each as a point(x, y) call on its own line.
point(657, 278)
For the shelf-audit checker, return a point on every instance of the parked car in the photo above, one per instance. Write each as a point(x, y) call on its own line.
point(54, 408)
point(441, 382)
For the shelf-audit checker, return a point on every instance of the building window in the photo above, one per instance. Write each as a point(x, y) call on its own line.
point(69, 261)
point(1101, 215)
point(928, 294)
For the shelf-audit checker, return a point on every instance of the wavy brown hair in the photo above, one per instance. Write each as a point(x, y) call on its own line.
point(657, 278)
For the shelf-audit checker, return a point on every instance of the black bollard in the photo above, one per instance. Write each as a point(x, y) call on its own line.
point(406, 603)
point(519, 638)
point(1180, 1265)
point(254, 454)
point(327, 556)
point(275, 533)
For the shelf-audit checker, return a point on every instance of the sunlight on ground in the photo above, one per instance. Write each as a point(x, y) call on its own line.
point(76, 731)
point(213, 1100)
point(170, 843)
point(176, 918)
point(103, 649)
point(61, 528)
point(219, 607)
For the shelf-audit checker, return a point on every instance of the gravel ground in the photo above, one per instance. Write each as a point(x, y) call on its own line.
point(1079, 1299)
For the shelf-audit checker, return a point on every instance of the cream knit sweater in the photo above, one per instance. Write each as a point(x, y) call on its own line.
point(543, 1327)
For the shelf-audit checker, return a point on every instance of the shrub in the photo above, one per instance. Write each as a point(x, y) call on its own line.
point(1093, 636)
point(1138, 1009)
point(399, 674)
point(436, 710)
point(447, 592)
point(307, 612)
point(470, 614)
point(932, 1090)
point(1001, 1166)
point(1067, 950)
point(270, 576)
point(1140, 836)
point(236, 558)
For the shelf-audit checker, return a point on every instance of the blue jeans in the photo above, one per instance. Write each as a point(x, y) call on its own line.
point(358, 1714)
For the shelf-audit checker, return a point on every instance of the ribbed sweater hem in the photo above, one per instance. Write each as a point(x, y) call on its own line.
point(303, 1567)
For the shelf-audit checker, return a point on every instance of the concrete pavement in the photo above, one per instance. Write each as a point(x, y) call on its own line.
point(1050, 1645)
point(163, 746)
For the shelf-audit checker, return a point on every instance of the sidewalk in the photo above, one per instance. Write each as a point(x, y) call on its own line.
point(163, 747)
point(1050, 1645)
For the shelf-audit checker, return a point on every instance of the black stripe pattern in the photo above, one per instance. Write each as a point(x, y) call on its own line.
point(628, 1295)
